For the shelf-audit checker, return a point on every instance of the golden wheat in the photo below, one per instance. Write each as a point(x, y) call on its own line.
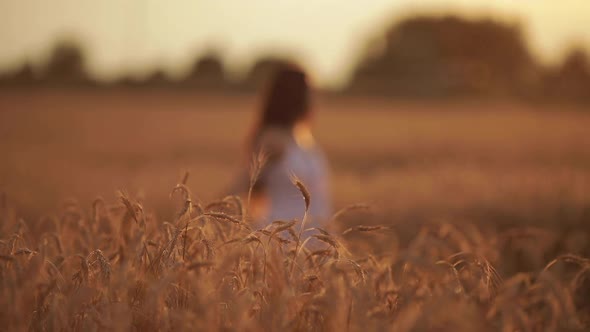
point(209, 269)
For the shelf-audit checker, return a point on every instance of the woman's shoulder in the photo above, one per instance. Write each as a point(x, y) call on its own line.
point(273, 142)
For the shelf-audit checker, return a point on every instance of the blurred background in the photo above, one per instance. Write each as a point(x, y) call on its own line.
point(475, 110)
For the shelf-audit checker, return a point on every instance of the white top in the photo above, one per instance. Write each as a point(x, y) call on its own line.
point(301, 157)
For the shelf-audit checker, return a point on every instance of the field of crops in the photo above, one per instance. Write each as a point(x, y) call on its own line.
point(452, 217)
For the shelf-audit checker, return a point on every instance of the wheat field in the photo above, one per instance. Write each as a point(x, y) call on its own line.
point(450, 217)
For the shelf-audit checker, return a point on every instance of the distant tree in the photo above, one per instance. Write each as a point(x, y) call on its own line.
point(208, 65)
point(25, 75)
point(66, 64)
point(157, 78)
point(428, 56)
point(576, 63)
point(128, 80)
point(571, 81)
point(207, 72)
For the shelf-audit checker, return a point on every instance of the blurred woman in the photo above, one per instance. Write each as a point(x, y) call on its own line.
point(283, 135)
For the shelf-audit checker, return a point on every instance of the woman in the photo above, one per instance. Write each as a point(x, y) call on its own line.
point(283, 134)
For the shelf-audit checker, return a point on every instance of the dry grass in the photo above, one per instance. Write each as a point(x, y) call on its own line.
point(113, 266)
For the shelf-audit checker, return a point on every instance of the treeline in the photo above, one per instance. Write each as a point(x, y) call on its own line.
point(449, 57)
point(420, 57)
point(67, 67)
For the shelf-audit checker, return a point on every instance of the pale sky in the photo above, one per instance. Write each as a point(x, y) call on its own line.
point(326, 35)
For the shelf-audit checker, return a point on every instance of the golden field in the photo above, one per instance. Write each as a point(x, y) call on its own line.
point(93, 143)
point(477, 217)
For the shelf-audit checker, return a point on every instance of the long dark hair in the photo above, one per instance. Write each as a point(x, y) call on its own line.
point(286, 101)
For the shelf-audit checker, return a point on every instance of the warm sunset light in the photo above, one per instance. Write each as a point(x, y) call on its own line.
point(138, 35)
point(295, 165)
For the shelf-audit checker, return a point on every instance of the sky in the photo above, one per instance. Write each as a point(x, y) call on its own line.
point(327, 36)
